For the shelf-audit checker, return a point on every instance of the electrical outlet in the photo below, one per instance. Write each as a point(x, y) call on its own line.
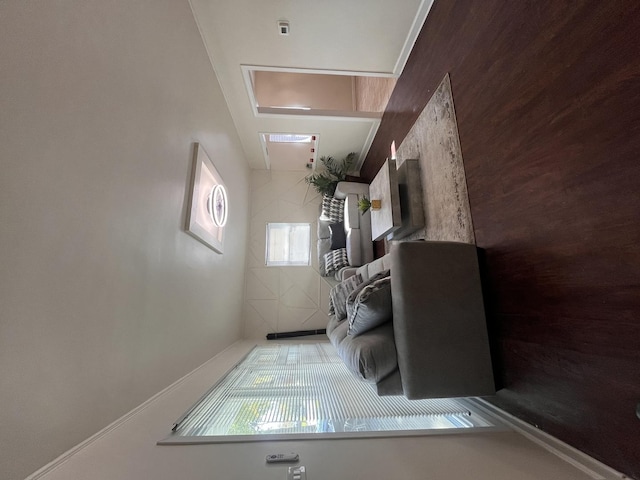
point(297, 473)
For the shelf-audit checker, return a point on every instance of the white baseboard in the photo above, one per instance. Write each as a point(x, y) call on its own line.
point(583, 462)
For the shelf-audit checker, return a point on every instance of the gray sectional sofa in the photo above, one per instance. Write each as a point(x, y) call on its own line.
point(357, 226)
point(436, 344)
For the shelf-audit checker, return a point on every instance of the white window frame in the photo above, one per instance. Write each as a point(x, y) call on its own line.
point(286, 263)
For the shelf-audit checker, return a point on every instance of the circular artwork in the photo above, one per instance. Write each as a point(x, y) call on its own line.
point(217, 205)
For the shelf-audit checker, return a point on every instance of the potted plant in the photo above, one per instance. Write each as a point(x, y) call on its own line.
point(364, 204)
point(326, 181)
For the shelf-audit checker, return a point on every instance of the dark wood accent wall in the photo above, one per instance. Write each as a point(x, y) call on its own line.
point(547, 98)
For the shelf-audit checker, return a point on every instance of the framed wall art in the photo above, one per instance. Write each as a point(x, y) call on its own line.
point(209, 208)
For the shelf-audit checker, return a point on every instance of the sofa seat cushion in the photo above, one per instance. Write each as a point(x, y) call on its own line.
point(331, 326)
point(354, 249)
point(371, 356)
point(351, 212)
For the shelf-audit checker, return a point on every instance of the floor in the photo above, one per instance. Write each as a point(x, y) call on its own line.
point(547, 97)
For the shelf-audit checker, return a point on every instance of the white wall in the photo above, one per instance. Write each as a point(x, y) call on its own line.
point(280, 299)
point(130, 452)
point(104, 298)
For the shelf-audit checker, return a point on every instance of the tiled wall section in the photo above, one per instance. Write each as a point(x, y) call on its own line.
point(281, 299)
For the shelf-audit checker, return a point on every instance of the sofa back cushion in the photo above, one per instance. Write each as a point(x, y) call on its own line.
point(324, 246)
point(370, 269)
point(364, 271)
point(379, 265)
point(323, 228)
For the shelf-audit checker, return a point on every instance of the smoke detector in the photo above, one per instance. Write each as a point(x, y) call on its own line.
point(283, 27)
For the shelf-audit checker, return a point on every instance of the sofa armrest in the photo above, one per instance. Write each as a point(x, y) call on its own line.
point(345, 272)
point(439, 322)
point(345, 188)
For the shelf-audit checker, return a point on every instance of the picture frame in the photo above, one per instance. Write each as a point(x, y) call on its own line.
point(208, 205)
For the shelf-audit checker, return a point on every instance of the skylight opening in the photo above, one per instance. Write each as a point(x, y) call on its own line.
point(290, 138)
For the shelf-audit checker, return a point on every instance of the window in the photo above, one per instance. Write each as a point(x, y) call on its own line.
point(288, 244)
point(299, 391)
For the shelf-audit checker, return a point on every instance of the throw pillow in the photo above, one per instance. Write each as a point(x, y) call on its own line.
point(338, 296)
point(351, 300)
point(335, 260)
point(332, 209)
point(338, 236)
point(372, 308)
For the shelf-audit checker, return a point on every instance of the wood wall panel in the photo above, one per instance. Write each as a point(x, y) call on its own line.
point(547, 97)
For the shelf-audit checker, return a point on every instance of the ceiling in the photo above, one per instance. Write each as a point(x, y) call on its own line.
point(358, 37)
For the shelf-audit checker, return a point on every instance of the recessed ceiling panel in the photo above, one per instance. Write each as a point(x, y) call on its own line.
point(290, 151)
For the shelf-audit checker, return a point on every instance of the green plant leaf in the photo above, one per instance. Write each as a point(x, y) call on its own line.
point(335, 171)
